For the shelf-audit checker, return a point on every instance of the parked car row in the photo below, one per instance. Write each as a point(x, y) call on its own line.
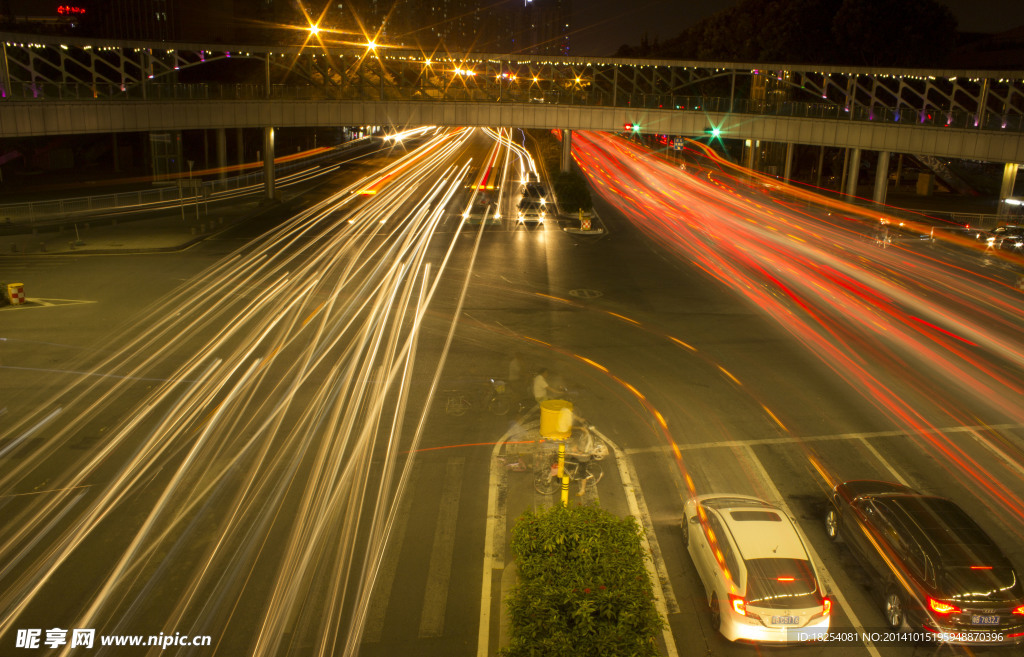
point(938, 573)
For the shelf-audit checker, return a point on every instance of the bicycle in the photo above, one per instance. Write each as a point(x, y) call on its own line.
point(498, 402)
point(546, 481)
point(518, 465)
point(457, 404)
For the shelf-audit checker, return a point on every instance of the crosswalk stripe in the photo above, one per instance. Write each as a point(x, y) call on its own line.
point(435, 597)
point(374, 627)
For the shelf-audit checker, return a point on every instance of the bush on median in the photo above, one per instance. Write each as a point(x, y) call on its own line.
point(583, 589)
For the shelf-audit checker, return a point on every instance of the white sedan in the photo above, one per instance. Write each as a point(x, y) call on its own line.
point(759, 581)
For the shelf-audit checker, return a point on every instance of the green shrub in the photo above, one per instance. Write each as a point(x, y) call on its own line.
point(583, 589)
point(572, 192)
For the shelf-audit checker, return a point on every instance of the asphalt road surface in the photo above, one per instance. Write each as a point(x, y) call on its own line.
point(248, 439)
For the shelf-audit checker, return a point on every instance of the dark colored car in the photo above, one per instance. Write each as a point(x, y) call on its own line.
point(1010, 238)
point(534, 190)
point(938, 570)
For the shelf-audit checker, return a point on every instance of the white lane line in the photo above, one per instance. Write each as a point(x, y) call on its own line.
point(494, 532)
point(638, 509)
point(1000, 455)
point(858, 435)
point(830, 582)
point(436, 596)
point(888, 466)
point(374, 628)
point(36, 427)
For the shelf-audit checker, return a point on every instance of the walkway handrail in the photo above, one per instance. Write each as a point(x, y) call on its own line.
point(62, 210)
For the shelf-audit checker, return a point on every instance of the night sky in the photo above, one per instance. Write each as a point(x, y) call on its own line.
point(601, 26)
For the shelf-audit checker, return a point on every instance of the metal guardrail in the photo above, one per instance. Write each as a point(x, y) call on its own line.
point(55, 211)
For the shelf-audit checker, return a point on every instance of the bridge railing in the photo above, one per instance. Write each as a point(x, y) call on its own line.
point(593, 97)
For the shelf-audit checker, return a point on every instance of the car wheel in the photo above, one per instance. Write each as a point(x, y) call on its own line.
point(685, 527)
point(716, 613)
point(894, 610)
point(832, 525)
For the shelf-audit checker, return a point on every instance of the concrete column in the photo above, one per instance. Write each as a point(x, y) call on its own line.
point(222, 153)
point(787, 169)
point(821, 165)
point(749, 163)
point(241, 146)
point(846, 166)
point(1006, 189)
point(566, 164)
point(881, 178)
point(851, 183)
point(268, 162)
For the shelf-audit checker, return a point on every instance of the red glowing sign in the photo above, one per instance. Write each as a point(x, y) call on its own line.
point(69, 10)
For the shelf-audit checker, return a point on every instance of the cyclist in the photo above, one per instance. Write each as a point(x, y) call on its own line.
point(580, 449)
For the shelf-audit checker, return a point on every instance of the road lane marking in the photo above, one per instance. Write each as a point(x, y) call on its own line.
point(788, 440)
point(35, 302)
point(656, 568)
point(374, 628)
point(888, 466)
point(830, 582)
point(436, 596)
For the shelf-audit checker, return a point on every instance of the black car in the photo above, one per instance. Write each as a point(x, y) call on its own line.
point(1010, 238)
point(938, 570)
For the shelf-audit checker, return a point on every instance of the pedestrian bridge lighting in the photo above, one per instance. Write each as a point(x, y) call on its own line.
point(314, 30)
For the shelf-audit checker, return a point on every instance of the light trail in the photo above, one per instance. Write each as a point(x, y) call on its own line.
point(890, 322)
point(268, 460)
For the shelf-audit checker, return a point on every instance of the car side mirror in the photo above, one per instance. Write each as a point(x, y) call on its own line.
point(695, 520)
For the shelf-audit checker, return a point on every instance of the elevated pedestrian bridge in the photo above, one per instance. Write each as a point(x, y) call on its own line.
point(52, 85)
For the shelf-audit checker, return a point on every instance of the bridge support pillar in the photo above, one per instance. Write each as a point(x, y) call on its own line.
point(854, 172)
point(749, 160)
point(1006, 189)
point(240, 147)
point(881, 178)
point(222, 153)
point(268, 162)
point(821, 165)
point(566, 163)
point(787, 169)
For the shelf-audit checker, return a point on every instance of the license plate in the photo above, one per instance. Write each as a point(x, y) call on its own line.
point(977, 619)
point(785, 620)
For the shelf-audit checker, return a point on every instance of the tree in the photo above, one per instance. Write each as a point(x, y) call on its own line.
point(859, 32)
point(894, 32)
